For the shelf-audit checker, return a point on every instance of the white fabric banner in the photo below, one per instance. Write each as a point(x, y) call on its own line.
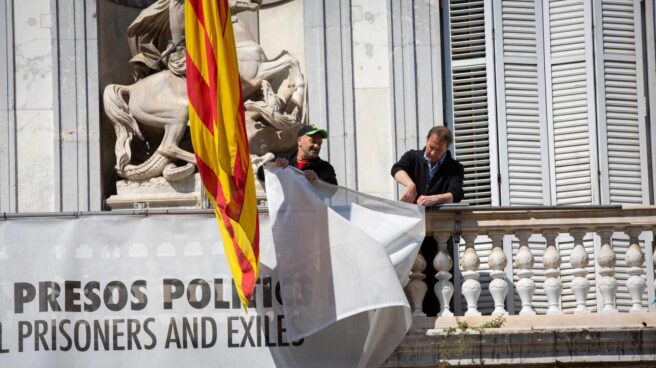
point(342, 254)
point(155, 291)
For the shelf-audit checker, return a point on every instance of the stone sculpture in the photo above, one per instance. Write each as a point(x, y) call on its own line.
point(158, 98)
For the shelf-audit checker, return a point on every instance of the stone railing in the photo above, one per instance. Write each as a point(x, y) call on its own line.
point(510, 263)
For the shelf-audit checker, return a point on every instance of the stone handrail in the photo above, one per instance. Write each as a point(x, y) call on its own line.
point(465, 224)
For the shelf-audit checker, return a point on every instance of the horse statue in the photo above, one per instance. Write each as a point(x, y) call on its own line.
point(158, 98)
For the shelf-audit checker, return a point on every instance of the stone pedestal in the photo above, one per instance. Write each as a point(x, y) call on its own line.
point(158, 193)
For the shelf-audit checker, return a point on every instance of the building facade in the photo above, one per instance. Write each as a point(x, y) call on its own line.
point(550, 101)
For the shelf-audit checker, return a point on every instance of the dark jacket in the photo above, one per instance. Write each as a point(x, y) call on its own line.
point(324, 169)
point(447, 179)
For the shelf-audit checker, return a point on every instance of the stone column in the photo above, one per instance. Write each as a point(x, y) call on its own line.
point(78, 179)
point(497, 262)
point(579, 261)
point(553, 285)
point(469, 263)
point(329, 50)
point(606, 260)
point(525, 286)
point(635, 259)
point(417, 286)
point(8, 162)
point(443, 264)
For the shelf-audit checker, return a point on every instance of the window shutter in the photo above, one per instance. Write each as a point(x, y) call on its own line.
point(620, 102)
point(470, 96)
point(523, 143)
point(569, 82)
point(570, 101)
point(620, 110)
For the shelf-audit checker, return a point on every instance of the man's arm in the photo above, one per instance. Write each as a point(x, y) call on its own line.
point(410, 193)
point(432, 200)
point(453, 194)
point(328, 174)
point(322, 170)
point(400, 174)
point(456, 183)
point(280, 162)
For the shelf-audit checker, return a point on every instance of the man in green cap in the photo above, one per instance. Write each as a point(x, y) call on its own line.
point(306, 157)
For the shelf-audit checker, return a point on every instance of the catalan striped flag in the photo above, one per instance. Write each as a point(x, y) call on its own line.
point(218, 133)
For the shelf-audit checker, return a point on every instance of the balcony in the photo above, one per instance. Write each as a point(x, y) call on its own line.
point(555, 286)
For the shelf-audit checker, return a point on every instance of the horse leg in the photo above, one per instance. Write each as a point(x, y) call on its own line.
point(169, 146)
point(271, 69)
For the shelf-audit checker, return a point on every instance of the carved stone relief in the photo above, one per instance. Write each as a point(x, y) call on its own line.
point(273, 89)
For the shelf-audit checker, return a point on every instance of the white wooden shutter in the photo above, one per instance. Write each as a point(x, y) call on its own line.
point(620, 102)
point(570, 92)
point(620, 111)
point(470, 96)
point(523, 142)
point(570, 101)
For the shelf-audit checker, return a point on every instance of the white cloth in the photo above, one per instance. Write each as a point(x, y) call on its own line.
point(342, 255)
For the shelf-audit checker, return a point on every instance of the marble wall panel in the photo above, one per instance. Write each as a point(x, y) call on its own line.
point(35, 160)
point(7, 116)
point(370, 44)
point(281, 28)
point(371, 78)
point(33, 54)
point(33, 75)
point(374, 141)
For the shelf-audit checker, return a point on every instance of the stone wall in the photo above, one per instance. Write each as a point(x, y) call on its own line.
point(49, 114)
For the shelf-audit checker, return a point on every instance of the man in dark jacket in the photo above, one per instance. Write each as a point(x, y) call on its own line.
point(306, 157)
point(430, 175)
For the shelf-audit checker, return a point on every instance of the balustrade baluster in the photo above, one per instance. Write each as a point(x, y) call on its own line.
point(606, 260)
point(497, 262)
point(443, 264)
point(653, 258)
point(635, 258)
point(524, 261)
point(553, 285)
point(579, 261)
point(469, 263)
point(417, 286)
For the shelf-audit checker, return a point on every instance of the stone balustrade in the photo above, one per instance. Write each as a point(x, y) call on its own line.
point(587, 255)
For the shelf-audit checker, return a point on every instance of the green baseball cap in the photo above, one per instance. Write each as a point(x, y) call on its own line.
point(312, 130)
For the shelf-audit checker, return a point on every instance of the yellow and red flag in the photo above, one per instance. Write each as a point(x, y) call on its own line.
point(218, 133)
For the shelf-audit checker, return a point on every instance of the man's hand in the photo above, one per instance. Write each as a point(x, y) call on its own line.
point(410, 194)
point(282, 162)
point(432, 200)
point(427, 201)
point(310, 175)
